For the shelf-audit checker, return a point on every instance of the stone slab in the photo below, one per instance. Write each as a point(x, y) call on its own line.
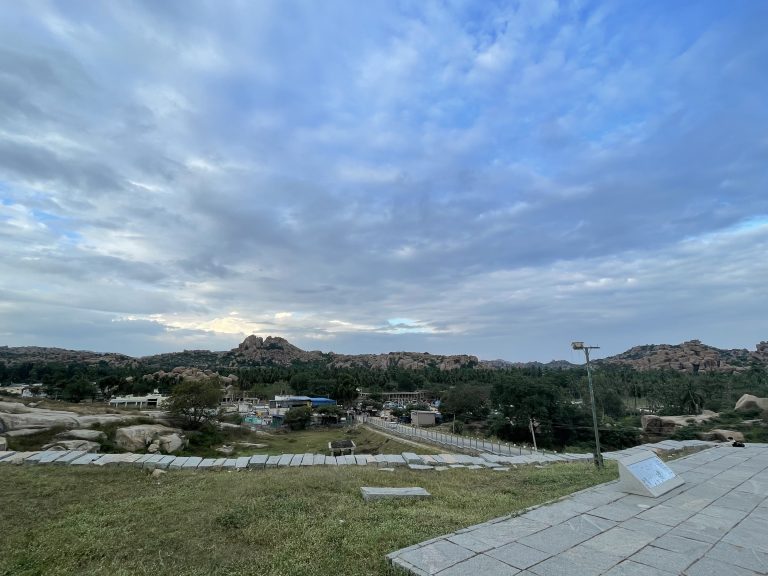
point(51, 457)
point(258, 461)
point(6, 454)
point(374, 493)
point(241, 463)
point(69, 457)
point(285, 460)
point(85, 459)
point(272, 461)
point(192, 463)
point(178, 463)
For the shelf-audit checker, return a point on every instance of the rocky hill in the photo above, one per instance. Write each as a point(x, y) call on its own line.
point(42, 355)
point(692, 356)
point(253, 351)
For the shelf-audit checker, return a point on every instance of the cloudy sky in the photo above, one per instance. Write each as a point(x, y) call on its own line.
point(492, 178)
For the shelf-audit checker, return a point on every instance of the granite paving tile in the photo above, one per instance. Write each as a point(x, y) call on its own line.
point(712, 567)
point(519, 555)
point(740, 556)
point(435, 557)
point(663, 559)
point(480, 565)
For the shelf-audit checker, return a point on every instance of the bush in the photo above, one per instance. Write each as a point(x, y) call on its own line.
point(196, 401)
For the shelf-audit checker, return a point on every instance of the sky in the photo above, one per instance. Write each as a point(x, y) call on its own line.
point(488, 178)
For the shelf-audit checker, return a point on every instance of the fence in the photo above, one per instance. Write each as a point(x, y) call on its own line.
point(435, 437)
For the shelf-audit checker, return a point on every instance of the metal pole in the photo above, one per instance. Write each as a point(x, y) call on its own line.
point(598, 455)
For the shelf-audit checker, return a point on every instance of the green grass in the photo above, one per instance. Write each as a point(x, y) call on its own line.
point(289, 522)
point(314, 440)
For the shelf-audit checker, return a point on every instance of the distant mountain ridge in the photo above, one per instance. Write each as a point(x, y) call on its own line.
point(691, 356)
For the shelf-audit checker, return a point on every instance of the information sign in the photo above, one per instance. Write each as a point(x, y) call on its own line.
point(645, 474)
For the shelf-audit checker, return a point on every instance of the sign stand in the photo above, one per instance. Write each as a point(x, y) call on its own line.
point(645, 474)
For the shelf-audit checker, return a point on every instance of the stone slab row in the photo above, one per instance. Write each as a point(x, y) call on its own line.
point(410, 459)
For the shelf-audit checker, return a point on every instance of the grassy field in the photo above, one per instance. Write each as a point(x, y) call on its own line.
point(314, 440)
point(286, 522)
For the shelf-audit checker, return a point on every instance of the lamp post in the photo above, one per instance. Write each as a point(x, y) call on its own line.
point(582, 346)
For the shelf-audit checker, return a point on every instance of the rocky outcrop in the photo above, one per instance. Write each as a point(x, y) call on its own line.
point(691, 357)
point(17, 416)
point(749, 403)
point(666, 425)
point(143, 436)
point(727, 435)
point(84, 445)
point(181, 373)
point(90, 435)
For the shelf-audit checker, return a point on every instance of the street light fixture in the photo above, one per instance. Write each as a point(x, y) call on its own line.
point(582, 346)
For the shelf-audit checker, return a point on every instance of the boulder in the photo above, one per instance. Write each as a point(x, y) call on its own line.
point(660, 425)
point(171, 443)
point(153, 448)
point(84, 445)
point(749, 403)
point(727, 435)
point(79, 434)
point(139, 437)
point(156, 473)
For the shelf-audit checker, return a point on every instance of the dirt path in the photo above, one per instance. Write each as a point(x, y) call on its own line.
point(403, 440)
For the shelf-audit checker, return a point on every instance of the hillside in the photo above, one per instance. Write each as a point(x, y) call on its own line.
point(253, 351)
point(691, 356)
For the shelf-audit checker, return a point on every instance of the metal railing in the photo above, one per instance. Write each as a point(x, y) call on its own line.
point(436, 437)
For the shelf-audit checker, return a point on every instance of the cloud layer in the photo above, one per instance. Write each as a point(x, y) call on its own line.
point(495, 179)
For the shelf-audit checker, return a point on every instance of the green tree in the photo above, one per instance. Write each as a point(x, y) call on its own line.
point(78, 390)
point(195, 401)
point(298, 418)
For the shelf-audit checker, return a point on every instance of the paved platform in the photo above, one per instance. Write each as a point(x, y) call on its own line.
point(716, 524)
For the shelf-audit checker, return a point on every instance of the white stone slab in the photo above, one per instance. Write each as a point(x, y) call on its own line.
point(69, 457)
point(193, 462)
point(206, 464)
point(272, 461)
point(229, 464)
point(258, 461)
point(85, 459)
point(412, 458)
point(308, 460)
point(165, 461)
point(151, 463)
point(285, 460)
point(35, 457)
point(372, 493)
point(178, 463)
point(51, 457)
point(6, 454)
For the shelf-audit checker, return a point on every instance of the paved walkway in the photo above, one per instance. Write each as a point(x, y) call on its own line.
point(716, 524)
point(451, 440)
